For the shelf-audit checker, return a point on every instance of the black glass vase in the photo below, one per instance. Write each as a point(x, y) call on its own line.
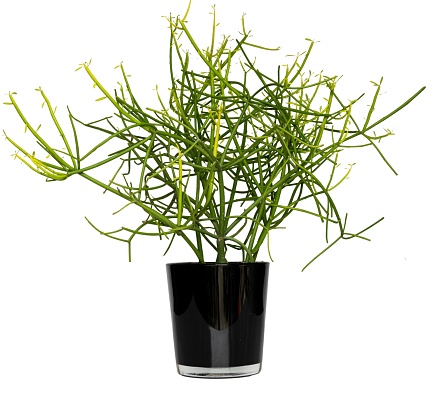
point(218, 316)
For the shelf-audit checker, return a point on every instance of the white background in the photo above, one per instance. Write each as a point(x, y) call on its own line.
point(77, 318)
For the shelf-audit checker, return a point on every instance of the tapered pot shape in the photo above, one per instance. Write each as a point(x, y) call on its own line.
point(218, 316)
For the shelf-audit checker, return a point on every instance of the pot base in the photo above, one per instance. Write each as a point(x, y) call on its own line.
point(219, 373)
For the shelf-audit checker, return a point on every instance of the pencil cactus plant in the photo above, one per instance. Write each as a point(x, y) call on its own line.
point(228, 157)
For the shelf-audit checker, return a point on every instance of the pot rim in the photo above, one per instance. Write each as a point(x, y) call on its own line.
point(205, 264)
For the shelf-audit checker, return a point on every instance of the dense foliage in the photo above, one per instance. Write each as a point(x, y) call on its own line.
point(229, 157)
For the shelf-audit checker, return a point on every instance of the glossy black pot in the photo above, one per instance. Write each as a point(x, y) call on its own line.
point(218, 315)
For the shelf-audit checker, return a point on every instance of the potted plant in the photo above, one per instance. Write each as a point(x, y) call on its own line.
point(225, 160)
